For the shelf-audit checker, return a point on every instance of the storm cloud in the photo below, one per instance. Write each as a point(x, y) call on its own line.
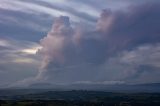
point(116, 49)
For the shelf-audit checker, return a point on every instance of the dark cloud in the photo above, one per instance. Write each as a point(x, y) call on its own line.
point(113, 51)
point(23, 26)
point(137, 26)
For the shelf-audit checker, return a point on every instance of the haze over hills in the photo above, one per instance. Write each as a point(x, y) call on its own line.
point(149, 87)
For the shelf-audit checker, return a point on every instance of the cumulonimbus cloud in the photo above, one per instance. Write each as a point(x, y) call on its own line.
point(72, 54)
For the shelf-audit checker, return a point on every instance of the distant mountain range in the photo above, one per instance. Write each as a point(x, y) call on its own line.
point(150, 87)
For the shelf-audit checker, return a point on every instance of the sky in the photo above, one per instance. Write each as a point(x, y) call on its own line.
point(79, 42)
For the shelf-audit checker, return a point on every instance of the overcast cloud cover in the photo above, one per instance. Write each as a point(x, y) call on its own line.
point(100, 42)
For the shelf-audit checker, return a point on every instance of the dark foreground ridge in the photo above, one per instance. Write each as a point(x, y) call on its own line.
point(37, 97)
